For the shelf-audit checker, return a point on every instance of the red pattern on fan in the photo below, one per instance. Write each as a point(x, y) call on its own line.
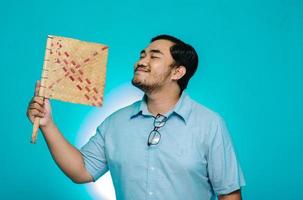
point(74, 70)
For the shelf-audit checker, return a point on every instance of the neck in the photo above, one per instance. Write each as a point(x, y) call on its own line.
point(162, 100)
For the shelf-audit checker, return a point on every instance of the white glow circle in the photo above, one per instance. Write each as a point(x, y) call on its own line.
point(120, 97)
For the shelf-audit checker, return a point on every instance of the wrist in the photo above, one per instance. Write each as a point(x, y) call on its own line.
point(49, 125)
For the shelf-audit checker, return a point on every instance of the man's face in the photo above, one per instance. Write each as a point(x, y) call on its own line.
point(153, 69)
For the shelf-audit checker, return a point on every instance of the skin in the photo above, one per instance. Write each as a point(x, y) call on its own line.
point(236, 195)
point(154, 73)
point(66, 156)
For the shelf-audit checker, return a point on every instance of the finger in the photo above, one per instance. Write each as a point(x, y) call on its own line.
point(39, 100)
point(35, 113)
point(31, 116)
point(37, 87)
point(36, 106)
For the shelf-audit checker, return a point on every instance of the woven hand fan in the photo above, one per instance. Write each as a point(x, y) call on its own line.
point(73, 71)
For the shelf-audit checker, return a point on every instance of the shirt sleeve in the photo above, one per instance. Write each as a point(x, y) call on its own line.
point(223, 167)
point(93, 153)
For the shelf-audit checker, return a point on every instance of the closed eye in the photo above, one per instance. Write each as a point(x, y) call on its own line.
point(142, 54)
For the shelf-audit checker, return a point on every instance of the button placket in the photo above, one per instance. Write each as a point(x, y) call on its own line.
point(151, 174)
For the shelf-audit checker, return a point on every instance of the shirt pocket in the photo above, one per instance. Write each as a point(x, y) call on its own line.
point(183, 153)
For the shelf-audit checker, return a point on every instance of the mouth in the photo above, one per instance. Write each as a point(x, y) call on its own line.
point(141, 69)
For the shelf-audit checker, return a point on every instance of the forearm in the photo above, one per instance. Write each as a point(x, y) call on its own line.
point(67, 157)
point(236, 195)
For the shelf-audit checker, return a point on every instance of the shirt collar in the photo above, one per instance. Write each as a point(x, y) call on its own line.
point(182, 108)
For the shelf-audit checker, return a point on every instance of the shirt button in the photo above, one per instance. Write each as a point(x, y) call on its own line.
point(152, 168)
point(150, 193)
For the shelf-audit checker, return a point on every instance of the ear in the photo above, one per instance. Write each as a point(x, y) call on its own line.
point(178, 72)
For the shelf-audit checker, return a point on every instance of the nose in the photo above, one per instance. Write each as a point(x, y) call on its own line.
point(143, 61)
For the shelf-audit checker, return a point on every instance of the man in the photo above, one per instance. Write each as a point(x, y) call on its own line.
point(165, 146)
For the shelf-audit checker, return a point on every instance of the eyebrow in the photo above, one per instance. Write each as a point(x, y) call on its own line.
point(152, 51)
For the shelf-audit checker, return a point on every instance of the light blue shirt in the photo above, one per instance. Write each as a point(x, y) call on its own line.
point(194, 159)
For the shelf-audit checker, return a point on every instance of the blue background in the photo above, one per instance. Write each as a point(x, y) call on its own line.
point(250, 72)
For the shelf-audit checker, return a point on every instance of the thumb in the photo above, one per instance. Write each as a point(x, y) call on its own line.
point(47, 105)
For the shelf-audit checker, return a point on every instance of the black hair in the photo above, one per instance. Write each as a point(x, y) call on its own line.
point(183, 55)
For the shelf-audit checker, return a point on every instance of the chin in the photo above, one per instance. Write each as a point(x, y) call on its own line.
point(143, 86)
point(136, 82)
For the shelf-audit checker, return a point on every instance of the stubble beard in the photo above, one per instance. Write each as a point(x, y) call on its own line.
point(145, 87)
point(150, 87)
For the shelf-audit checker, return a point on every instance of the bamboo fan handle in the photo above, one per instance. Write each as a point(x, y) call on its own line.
point(35, 130)
point(39, 91)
